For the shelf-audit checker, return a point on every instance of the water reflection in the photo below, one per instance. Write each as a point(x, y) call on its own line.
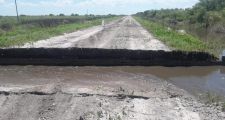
point(196, 80)
point(213, 82)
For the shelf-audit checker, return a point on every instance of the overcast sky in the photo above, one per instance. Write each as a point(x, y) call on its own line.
point(43, 7)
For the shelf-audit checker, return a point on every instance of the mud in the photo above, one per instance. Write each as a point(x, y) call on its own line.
point(125, 33)
point(91, 93)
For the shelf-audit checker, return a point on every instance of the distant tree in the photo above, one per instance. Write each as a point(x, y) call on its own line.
point(74, 14)
point(51, 15)
point(61, 14)
point(205, 14)
point(201, 15)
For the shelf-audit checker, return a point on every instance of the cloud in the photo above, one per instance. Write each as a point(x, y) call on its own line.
point(94, 6)
point(108, 3)
point(131, 6)
point(49, 3)
point(56, 3)
point(151, 3)
point(2, 1)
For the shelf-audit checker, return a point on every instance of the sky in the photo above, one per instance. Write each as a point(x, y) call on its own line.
point(100, 7)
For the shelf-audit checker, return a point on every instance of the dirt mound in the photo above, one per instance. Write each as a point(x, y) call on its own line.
point(103, 57)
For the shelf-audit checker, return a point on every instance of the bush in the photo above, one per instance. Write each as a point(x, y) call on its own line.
point(6, 26)
point(51, 22)
point(2, 32)
point(74, 14)
point(61, 14)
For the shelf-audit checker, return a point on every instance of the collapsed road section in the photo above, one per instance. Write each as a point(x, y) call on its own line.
point(95, 93)
point(104, 57)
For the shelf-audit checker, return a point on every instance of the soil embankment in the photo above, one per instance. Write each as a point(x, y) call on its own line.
point(104, 57)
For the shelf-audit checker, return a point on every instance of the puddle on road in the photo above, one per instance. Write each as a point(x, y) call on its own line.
point(196, 80)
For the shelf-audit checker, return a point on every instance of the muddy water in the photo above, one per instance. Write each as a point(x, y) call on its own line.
point(196, 80)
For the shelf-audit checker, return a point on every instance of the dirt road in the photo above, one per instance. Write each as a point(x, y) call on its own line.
point(125, 33)
point(97, 93)
point(92, 93)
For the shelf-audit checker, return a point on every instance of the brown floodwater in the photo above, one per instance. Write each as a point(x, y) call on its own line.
point(196, 80)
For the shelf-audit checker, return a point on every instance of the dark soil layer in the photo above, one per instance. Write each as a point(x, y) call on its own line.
point(104, 57)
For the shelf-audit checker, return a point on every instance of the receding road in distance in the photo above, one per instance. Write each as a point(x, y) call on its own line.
point(125, 33)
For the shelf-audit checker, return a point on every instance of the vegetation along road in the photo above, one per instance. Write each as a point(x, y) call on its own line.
point(204, 22)
point(34, 28)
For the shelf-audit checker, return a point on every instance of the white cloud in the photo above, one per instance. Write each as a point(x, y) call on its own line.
point(163, 3)
point(49, 3)
point(107, 3)
point(111, 2)
point(57, 3)
point(94, 6)
point(2, 1)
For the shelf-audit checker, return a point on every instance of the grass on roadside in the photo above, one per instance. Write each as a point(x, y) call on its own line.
point(213, 99)
point(23, 33)
point(172, 38)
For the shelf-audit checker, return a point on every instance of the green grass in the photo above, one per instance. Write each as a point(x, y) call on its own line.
point(21, 34)
point(173, 39)
point(213, 99)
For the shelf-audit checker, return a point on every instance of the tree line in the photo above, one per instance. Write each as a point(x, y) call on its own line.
point(205, 14)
